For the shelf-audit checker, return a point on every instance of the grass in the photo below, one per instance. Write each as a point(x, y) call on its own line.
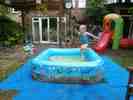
point(8, 63)
point(7, 94)
point(123, 57)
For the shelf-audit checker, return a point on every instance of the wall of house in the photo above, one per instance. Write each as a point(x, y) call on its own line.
point(55, 8)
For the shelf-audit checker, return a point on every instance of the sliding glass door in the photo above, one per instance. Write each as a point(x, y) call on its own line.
point(46, 29)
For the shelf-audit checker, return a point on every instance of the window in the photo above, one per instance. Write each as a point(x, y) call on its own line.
point(45, 29)
point(111, 1)
point(38, 1)
point(35, 19)
point(123, 1)
point(36, 31)
point(79, 3)
point(82, 3)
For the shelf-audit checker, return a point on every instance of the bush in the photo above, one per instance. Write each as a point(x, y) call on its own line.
point(96, 10)
point(10, 31)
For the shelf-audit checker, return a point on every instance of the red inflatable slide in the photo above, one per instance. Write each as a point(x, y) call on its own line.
point(103, 42)
point(125, 43)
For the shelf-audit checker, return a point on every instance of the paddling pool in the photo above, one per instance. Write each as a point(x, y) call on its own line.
point(65, 65)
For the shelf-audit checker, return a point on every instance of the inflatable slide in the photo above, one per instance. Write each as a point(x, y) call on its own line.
point(112, 31)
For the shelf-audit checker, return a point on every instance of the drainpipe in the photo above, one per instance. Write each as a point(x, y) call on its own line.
point(23, 24)
point(60, 44)
point(23, 18)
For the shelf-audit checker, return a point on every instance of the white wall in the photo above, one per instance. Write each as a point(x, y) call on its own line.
point(131, 0)
point(81, 3)
point(111, 1)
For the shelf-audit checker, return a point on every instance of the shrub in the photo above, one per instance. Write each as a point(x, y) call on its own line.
point(10, 31)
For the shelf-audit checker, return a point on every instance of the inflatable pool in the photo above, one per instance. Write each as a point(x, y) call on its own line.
point(65, 65)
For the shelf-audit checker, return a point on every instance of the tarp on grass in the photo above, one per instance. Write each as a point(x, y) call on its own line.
point(114, 87)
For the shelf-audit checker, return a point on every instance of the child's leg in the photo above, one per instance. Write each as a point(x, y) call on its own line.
point(83, 50)
point(81, 54)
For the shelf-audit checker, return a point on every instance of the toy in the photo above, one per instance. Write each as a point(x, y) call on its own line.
point(125, 43)
point(30, 49)
point(112, 31)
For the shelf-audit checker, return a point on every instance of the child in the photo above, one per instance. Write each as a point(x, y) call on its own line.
point(85, 38)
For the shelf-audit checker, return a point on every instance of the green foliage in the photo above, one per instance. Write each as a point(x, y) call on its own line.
point(96, 9)
point(130, 10)
point(95, 3)
point(3, 10)
point(10, 31)
point(42, 7)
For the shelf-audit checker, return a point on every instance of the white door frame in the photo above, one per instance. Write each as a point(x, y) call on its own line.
point(33, 30)
point(48, 30)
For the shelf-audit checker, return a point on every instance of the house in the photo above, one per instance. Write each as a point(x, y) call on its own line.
point(47, 25)
point(55, 21)
point(52, 23)
point(42, 19)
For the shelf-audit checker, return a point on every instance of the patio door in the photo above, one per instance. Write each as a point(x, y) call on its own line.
point(44, 26)
point(35, 30)
point(46, 30)
point(49, 29)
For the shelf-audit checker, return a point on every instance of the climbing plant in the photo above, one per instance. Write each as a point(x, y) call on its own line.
point(96, 9)
point(130, 10)
point(10, 31)
point(3, 10)
point(42, 7)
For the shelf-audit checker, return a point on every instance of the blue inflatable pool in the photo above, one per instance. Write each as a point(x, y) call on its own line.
point(65, 65)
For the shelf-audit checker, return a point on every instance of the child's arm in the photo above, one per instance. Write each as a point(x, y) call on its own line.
point(92, 35)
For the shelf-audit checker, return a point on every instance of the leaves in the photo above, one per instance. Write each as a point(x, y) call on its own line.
point(94, 6)
point(42, 7)
point(10, 31)
point(96, 9)
point(130, 10)
point(3, 10)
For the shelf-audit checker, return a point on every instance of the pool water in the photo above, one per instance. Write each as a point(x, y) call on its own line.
point(67, 59)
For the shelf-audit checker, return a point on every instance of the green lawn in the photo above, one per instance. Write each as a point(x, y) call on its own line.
point(8, 63)
point(8, 94)
point(123, 57)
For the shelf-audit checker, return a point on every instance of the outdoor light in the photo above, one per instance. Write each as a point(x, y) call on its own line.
point(68, 4)
point(38, 1)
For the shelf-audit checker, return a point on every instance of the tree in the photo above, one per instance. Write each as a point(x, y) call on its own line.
point(130, 10)
point(10, 31)
point(96, 10)
point(3, 10)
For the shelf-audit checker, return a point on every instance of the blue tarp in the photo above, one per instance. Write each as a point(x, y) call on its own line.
point(114, 87)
